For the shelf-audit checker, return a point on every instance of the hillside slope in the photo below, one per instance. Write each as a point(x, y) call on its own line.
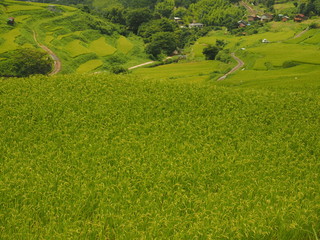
point(83, 42)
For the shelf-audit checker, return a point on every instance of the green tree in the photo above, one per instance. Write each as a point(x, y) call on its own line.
point(211, 52)
point(25, 62)
point(136, 17)
point(165, 8)
point(162, 43)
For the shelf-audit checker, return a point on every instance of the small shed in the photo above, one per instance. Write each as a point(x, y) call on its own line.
point(10, 21)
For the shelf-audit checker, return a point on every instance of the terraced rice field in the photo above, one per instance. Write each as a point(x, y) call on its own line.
point(66, 33)
point(101, 47)
point(89, 66)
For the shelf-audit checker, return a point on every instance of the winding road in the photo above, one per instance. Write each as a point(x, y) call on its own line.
point(239, 65)
point(56, 60)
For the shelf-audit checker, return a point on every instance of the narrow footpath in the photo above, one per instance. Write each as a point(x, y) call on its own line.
point(301, 33)
point(56, 60)
point(239, 65)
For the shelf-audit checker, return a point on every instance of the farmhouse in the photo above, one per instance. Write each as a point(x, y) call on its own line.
point(196, 25)
point(266, 17)
point(10, 21)
point(242, 24)
point(254, 18)
point(299, 18)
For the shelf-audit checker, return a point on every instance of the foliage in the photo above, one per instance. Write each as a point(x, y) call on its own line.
point(25, 62)
point(164, 8)
point(147, 29)
point(118, 69)
point(217, 13)
point(211, 52)
point(162, 42)
point(136, 17)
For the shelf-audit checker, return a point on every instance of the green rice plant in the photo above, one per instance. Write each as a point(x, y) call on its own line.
point(75, 48)
point(89, 66)
point(124, 45)
point(9, 38)
point(20, 7)
point(197, 71)
point(116, 157)
point(101, 48)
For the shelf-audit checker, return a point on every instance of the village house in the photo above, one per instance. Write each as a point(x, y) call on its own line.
point(196, 25)
point(285, 18)
point(10, 21)
point(254, 18)
point(242, 24)
point(266, 17)
point(299, 18)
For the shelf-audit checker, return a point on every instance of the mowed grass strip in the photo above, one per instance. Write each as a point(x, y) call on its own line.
point(111, 157)
point(101, 47)
point(124, 45)
point(89, 66)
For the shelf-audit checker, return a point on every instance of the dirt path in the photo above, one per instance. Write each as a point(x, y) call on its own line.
point(251, 11)
point(239, 65)
point(56, 60)
point(301, 33)
point(141, 65)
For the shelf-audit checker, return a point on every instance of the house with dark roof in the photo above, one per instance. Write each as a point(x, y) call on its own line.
point(10, 21)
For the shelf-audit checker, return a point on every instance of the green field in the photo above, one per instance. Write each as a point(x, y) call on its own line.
point(89, 66)
point(110, 157)
point(101, 48)
point(186, 72)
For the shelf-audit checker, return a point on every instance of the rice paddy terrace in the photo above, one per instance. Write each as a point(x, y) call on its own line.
point(74, 36)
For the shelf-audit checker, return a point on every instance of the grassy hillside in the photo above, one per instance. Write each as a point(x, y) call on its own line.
point(79, 40)
point(109, 157)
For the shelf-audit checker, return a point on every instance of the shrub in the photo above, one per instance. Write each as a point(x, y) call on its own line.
point(25, 62)
point(211, 52)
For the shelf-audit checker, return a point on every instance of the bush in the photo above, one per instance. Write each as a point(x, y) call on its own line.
point(211, 52)
point(118, 69)
point(26, 62)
